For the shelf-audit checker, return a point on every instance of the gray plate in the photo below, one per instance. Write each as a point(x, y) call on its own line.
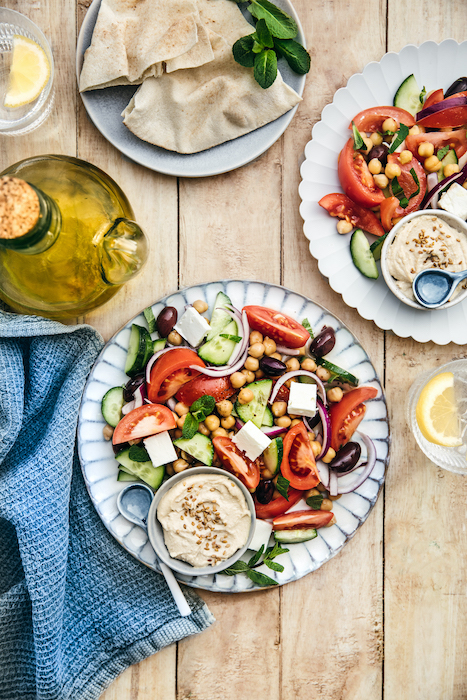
point(104, 107)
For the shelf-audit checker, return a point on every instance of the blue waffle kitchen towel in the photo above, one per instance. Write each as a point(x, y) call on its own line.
point(75, 608)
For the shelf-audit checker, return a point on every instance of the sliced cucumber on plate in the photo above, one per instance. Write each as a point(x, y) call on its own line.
point(362, 256)
point(408, 96)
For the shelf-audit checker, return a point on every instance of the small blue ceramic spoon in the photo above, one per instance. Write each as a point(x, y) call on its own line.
point(134, 502)
point(433, 287)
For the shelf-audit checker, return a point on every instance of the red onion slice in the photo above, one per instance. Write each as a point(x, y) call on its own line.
point(297, 373)
point(139, 395)
point(326, 423)
point(323, 471)
point(439, 106)
point(156, 357)
point(367, 467)
point(171, 403)
point(128, 407)
point(433, 195)
point(333, 483)
point(291, 352)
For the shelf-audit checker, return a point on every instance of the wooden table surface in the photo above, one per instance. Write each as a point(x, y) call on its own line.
point(387, 617)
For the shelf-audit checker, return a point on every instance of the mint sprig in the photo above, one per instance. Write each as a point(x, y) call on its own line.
point(199, 410)
point(249, 568)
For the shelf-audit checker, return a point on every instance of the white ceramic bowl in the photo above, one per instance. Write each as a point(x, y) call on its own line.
point(450, 219)
point(156, 534)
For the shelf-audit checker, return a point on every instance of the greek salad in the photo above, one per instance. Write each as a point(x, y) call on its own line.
point(401, 158)
point(251, 391)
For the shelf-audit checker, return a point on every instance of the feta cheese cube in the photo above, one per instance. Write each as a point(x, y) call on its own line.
point(160, 449)
point(454, 200)
point(302, 399)
point(251, 440)
point(192, 326)
point(261, 535)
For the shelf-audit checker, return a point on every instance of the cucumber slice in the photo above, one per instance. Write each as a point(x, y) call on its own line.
point(218, 350)
point(124, 476)
point(268, 418)
point(449, 159)
point(158, 344)
point(303, 379)
point(272, 455)
point(112, 404)
point(219, 319)
point(294, 536)
point(408, 96)
point(142, 470)
point(150, 319)
point(376, 246)
point(338, 372)
point(255, 410)
point(362, 256)
point(199, 446)
point(137, 350)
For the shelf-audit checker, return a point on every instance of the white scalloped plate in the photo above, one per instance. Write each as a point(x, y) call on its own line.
point(100, 468)
point(435, 66)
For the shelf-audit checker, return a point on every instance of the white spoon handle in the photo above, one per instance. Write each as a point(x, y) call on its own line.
point(175, 589)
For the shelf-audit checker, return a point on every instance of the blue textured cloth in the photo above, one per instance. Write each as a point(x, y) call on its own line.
point(75, 608)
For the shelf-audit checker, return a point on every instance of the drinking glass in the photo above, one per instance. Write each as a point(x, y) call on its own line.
point(25, 118)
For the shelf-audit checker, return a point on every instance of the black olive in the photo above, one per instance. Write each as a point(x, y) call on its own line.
point(272, 367)
point(166, 321)
point(120, 447)
point(346, 458)
point(459, 85)
point(264, 492)
point(131, 387)
point(380, 152)
point(323, 343)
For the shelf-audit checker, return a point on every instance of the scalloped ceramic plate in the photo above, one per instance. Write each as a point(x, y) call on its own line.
point(435, 66)
point(104, 107)
point(100, 468)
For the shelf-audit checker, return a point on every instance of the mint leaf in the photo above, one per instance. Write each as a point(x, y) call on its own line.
point(274, 551)
point(260, 579)
point(150, 319)
point(399, 193)
point(443, 152)
point(236, 568)
point(273, 565)
point(417, 182)
point(265, 68)
point(358, 141)
point(234, 338)
point(263, 35)
point(138, 453)
point(190, 427)
point(243, 51)
point(256, 556)
point(307, 326)
point(280, 24)
point(202, 407)
point(401, 136)
point(314, 502)
point(295, 54)
point(257, 47)
point(282, 486)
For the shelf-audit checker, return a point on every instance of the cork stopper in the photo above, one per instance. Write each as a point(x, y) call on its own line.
point(19, 208)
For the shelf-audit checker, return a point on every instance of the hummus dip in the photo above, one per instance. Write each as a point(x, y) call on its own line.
point(205, 519)
point(425, 242)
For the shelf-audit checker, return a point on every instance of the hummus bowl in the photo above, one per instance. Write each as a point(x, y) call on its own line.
point(156, 530)
point(400, 252)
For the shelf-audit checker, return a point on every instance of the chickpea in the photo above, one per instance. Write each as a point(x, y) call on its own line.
point(310, 493)
point(335, 498)
point(279, 408)
point(177, 433)
point(245, 396)
point(188, 458)
point(179, 465)
point(292, 364)
point(252, 364)
point(107, 432)
point(376, 138)
point(175, 415)
point(250, 377)
point(203, 430)
point(426, 149)
point(392, 170)
point(311, 436)
point(237, 379)
point(267, 474)
point(283, 422)
point(308, 364)
point(344, 226)
point(432, 164)
point(405, 157)
point(256, 350)
point(375, 166)
point(181, 408)
point(256, 337)
point(224, 408)
point(381, 181)
point(302, 350)
point(180, 421)
point(368, 143)
point(277, 355)
point(316, 447)
point(200, 306)
point(332, 521)
point(329, 456)
point(212, 422)
point(326, 504)
point(335, 394)
point(169, 470)
point(174, 338)
point(321, 488)
point(295, 421)
point(219, 432)
point(414, 130)
point(136, 441)
point(228, 422)
point(269, 346)
point(450, 169)
point(389, 125)
point(323, 374)
point(259, 374)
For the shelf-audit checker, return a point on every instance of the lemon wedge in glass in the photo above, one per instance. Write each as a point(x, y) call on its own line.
point(436, 411)
point(29, 72)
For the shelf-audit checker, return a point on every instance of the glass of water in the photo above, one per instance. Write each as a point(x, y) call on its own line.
point(24, 118)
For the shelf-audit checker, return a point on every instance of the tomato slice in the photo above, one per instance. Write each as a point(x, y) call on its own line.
point(142, 422)
point(448, 117)
point(347, 414)
point(219, 388)
point(454, 139)
point(302, 520)
point(355, 178)
point(278, 506)
point(338, 204)
point(408, 184)
point(298, 461)
point(170, 372)
point(236, 462)
point(433, 97)
point(388, 210)
point(372, 119)
point(276, 325)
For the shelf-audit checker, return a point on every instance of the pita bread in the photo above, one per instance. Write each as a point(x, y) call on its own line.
point(132, 39)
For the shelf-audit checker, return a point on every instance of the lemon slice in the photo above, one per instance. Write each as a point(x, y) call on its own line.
point(436, 411)
point(29, 72)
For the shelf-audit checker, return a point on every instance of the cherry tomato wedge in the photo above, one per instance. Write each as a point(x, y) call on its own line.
point(279, 505)
point(236, 462)
point(338, 204)
point(142, 422)
point(348, 413)
point(433, 97)
point(408, 184)
point(298, 464)
point(276, 325)
point(454, 139)
point(355, 178)
point(219, 388)
point(388, 210)
point(302, 519)
point(372, 119)
point(170, 372)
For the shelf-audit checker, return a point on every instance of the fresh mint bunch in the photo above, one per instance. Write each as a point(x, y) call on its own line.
point(199, 410)
point(249, 568)
point(274, 36)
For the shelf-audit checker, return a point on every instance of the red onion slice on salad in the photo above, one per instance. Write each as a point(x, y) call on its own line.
point(439, 106)
point(433, 195)
point(326, 423)
point(128, 407)
point(323, 471)
point(239, 355)
point(297, 373)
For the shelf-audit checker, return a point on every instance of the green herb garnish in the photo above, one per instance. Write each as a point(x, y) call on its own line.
point(150, 319)
point(282, 485)
point(399, 192)
point(358, 142)
point(443, 152)
point(199, 410)
point(401, 136)
point(307, 326)
point(315, 501)
point(138, 453)
point(421, 96)
point(249, 568)
point(233, 338)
